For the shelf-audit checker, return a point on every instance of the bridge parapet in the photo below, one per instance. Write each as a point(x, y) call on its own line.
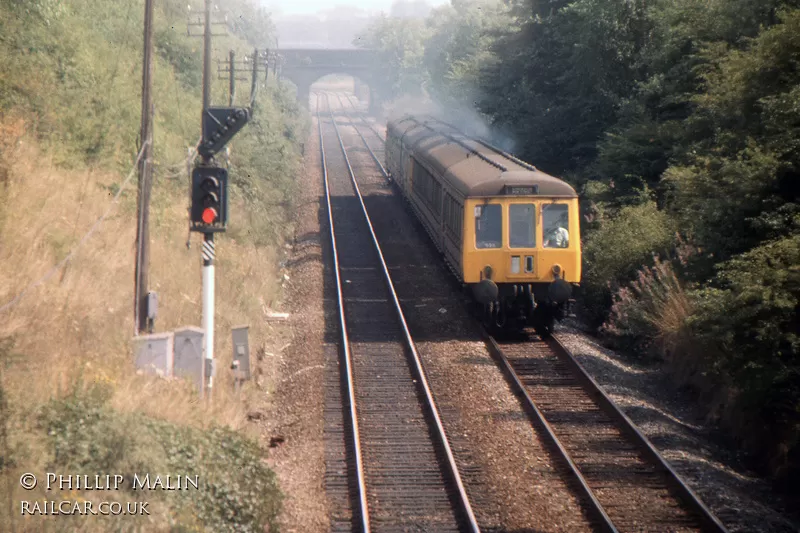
point(312, 58)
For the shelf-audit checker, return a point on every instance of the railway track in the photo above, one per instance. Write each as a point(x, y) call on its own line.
point(404, 475)
point(364, 121)
point(631, 487)
point(622, 480)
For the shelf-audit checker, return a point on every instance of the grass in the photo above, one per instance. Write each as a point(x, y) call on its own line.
point(69, 86)
point(76, 327)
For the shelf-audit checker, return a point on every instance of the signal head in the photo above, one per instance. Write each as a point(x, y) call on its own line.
point(209, 199)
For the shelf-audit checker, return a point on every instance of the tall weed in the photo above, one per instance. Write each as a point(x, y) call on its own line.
point(650, 313)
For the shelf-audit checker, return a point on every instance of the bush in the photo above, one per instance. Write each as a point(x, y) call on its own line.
point(616, 251)
point(749, 317)
point(237, 492)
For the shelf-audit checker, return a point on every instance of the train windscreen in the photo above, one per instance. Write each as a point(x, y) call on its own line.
point(521, 225)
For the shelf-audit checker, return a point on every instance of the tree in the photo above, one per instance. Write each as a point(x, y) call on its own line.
point(459, 46)
point(740, 181)
point(561, 77)
point(400, 46)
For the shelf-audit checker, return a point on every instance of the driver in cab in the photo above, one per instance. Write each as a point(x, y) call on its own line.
point(557, 238)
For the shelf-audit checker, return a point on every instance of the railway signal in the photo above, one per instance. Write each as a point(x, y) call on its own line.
point(209, 212)
point(220, 124)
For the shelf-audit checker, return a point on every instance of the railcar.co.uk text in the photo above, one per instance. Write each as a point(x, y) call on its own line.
point(107, 482)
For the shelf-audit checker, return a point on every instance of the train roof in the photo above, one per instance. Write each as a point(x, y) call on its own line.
point(471, 166)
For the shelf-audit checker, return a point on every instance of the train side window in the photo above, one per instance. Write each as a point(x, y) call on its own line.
point(489, 226)
point(556, 224)
point(454, 213)
point(522, 225)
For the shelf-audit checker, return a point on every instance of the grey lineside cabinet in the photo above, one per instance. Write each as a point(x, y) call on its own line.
point(154, 354)
point(188, 357)
point(241, 352)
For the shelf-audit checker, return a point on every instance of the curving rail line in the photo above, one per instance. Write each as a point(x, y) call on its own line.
point(389, 471)
point(370, 126)
point(629, 458)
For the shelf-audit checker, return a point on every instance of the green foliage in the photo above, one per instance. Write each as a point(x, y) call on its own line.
point(237, 492)
point(746, 159)
point(627, 241)
point(251, 22)
point(618, 249)
point(263, 167)
point(176, 51)
point(562, 77)
point(749, 318)
point(459, 45)
point(399, 42)
point(670, 116)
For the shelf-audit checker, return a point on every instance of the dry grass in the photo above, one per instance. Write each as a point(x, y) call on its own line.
point(652, 317)
point(79, 323)
point(652, 311)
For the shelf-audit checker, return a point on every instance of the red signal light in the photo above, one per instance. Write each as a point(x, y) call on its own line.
point(209, 215)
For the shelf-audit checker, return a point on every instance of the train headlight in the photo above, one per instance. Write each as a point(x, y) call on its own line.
point(515, 264)
point(557, 271)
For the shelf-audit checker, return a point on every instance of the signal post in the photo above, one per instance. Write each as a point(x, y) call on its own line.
point(209, 209)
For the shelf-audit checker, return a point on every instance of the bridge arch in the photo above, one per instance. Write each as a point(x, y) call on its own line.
point(342, 82)
point(303, 67)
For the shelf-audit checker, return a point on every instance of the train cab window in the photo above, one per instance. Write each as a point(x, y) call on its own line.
point(521, 225)
point(488, 226)
point(555, 218)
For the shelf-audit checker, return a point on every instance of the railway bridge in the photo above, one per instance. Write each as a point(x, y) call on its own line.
point(304, 66)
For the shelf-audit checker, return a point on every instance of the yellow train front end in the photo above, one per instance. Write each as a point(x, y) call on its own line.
point(522, 257)
point(509, 231)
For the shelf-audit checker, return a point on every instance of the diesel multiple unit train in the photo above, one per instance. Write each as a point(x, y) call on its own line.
point(508, 231)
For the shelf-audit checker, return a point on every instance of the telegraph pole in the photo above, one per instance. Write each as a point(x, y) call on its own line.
point(266, 68)
point(207, 56)
point(254, 83)
point(232, 78)
point(145, 179)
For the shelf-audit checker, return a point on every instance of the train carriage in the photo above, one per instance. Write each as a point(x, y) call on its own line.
point(508, 231)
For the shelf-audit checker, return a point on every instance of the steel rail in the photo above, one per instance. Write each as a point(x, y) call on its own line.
point(371, 128)
point(423, 381)
point(530, 406)
point(533, 410)
point(684, 492)
point(374, 157)
point(362, 486)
